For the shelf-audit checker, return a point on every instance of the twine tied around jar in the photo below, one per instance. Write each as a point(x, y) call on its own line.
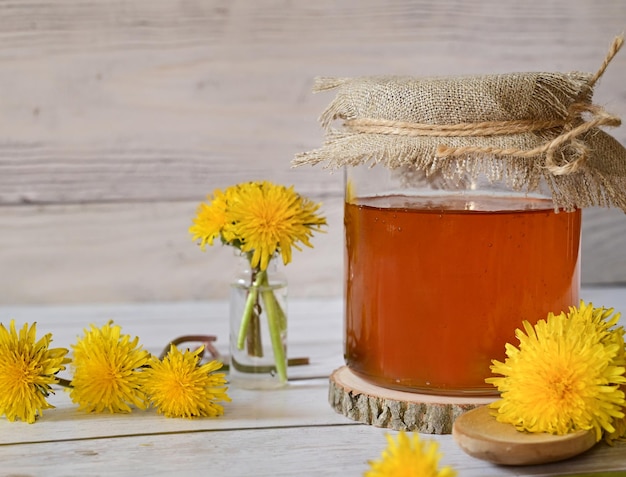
point(518, 127)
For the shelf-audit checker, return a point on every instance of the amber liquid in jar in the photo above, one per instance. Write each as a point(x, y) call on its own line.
point(433, 293)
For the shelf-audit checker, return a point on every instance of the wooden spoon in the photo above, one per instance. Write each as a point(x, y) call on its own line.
point(479, 434)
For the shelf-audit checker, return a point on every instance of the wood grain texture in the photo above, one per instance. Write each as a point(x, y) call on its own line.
point(118, 117)
point(332, 451)
point(365, 402)
point(480, 435)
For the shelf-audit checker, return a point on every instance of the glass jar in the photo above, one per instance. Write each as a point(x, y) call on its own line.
point(258, 327)
point(440, 273)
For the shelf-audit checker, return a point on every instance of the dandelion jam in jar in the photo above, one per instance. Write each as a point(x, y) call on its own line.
point(437, 281)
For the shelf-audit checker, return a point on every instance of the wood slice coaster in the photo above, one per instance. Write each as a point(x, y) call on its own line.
point(364, 402)
point(479, 434)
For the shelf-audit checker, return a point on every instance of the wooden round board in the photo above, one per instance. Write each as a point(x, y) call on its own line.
point(364, 402)
point(479, 434)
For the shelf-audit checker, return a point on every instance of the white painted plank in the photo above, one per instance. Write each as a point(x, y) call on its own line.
point(314, 332)
point(301, 404)
point(315, 326)
point(603, 257)
point(138, 253)
point(142, 252)
point(158, 100)
point(608, 297)
point(327, 450)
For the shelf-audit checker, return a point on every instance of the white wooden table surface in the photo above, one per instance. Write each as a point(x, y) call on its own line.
point(285, 432)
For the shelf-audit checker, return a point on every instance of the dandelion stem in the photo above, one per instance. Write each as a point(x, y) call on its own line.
point(276, 324)
point(254, 342)
point(66, 383)
point(251, 300)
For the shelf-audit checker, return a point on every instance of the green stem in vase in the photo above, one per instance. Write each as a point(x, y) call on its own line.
point(282, 319)
point(254, 343)
point(248, 311)
point(276, 324)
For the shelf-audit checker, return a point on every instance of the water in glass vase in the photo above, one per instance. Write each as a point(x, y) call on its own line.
point(258, 328)
point(434, 288)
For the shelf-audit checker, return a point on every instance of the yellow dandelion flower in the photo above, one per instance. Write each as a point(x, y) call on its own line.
point(211, 218)
point(565, 376)
point(409, 457)
point(107, 371)
point(270, 218)
point(27, 370)
point(619, 433)
point(261, 220)
point(179, 387)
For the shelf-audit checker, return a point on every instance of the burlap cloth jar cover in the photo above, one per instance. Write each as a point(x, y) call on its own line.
point(519, 128)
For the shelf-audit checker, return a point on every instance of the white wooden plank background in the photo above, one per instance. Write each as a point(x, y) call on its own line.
point(116, 118)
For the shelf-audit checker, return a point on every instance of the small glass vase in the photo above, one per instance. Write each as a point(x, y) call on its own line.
point(258, 327)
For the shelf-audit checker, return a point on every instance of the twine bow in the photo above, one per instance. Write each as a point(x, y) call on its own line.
point(572, 127)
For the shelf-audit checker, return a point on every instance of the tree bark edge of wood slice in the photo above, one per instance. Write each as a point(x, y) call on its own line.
point(365, 402)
